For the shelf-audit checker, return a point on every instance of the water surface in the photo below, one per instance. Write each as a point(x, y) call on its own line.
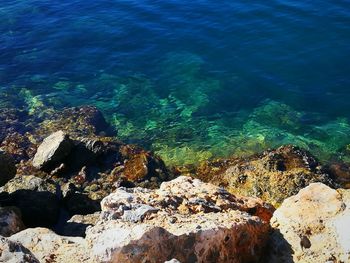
point(190, 80)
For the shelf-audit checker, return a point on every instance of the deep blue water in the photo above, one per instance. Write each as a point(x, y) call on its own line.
point(188, 79)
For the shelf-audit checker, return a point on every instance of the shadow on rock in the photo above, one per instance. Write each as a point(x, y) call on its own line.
point(37, 208)
point(279, 250)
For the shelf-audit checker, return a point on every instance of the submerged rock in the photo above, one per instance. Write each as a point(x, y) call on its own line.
point(185, 219)
point(312, 226)
point(52, 151)
point(10, 221)
point(273, 175)
point(77, 121)
point(7, 168)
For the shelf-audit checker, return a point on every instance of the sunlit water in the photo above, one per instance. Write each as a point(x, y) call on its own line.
point(190, 80)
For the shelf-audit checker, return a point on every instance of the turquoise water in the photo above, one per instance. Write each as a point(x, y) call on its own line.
point(190, 80)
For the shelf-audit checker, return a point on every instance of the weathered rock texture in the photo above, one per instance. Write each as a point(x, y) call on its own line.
point(312, 226)
point(7, 168)
point(15, 252)
point(49, 247)
point(52, 151)
point(185, 219)
point(273, 175)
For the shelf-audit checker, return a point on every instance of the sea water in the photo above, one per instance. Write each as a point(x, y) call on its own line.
point(190, 80)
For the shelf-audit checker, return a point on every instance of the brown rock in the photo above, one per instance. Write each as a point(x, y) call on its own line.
point(273, 175)
point(19, 146)
point(341, 174)
point(144, 168)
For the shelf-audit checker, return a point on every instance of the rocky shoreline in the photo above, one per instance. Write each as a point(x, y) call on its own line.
point(71, 192)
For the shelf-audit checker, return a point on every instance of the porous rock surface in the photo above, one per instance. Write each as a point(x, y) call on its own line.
point(15, 252)
point(47, 246)
point(312, 226)
point(185, 219)
point(272, 176)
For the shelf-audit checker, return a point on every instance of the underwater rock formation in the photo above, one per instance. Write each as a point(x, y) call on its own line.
point(186, 219)
point(273, 175)
point(312, 226)
point(84, 121)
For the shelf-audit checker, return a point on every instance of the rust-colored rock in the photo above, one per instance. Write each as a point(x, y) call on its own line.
point(144, 166)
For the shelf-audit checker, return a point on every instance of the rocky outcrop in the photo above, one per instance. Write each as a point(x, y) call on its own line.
point(185, 219)
point(10, 221)
point(47, 246)
point(312, 226)
point(7, 168)
point(15, 252)
point(35, 197)
point(273, 175)
point(52, 151)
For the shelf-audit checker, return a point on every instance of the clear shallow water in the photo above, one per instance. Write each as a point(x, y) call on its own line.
point(190, 80)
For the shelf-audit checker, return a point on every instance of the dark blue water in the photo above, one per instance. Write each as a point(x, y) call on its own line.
point(190, 80)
